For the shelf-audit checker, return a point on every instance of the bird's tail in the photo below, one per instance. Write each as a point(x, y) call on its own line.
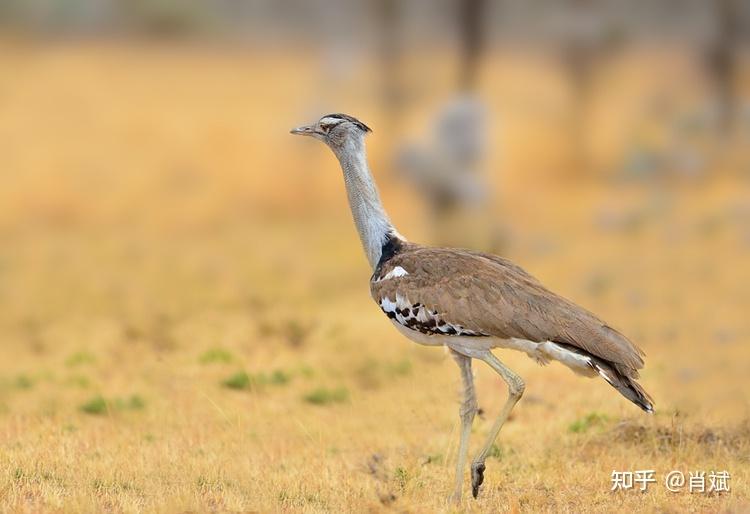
point(625, 383)
point(621, 377)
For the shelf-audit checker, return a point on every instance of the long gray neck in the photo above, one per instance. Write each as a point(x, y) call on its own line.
point(372, 222)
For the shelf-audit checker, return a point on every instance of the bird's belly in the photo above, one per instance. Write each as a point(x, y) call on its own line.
point(468, 344)
point(462, 344)
point(476, 346)
point(419, 337)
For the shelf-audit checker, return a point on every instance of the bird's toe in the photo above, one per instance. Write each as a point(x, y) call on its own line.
point(477, 477)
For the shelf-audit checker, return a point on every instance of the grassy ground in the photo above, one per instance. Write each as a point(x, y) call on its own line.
point(186, 323)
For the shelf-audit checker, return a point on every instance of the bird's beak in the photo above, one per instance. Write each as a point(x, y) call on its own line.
point(308, 130)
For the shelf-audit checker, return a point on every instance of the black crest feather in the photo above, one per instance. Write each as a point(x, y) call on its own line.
point(351, 119)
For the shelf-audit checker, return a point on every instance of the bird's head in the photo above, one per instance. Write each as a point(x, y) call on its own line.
point(335, 130)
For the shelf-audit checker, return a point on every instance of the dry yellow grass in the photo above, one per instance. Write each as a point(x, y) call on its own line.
point(186, 323)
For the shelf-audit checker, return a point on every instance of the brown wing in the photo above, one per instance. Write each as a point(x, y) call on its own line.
point(490, 295)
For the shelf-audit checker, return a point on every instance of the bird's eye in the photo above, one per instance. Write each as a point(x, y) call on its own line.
point(325, 127)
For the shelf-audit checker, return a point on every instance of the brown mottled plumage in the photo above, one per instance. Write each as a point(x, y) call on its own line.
point(491, 295)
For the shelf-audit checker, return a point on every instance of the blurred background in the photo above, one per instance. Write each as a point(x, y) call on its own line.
point(179, 276)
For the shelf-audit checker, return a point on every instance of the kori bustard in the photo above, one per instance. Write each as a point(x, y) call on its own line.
point(472, 302)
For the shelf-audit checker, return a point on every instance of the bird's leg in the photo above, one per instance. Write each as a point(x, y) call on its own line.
point(515, 391)
point(467, 412)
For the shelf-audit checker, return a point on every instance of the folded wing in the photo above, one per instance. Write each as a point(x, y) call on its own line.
point(489, 295)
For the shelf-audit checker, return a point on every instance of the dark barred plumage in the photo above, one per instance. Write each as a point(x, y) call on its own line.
point(418, 317)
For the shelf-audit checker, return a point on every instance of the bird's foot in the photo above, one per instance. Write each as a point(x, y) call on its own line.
point(477, 477)
point(455, 498)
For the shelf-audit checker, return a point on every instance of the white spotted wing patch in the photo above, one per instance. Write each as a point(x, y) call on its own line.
point(418, 317)
point(396, 272)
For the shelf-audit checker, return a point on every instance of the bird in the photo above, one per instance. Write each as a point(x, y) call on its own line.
point(471, 303)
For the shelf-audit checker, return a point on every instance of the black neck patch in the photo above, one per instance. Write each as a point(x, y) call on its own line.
point(391, 247)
